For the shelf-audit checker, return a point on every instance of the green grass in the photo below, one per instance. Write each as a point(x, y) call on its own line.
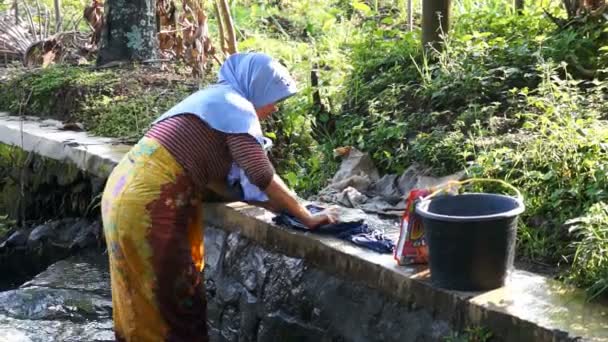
point(500, 100)
point(470, 334)
point(590, 263)
point(113, 103)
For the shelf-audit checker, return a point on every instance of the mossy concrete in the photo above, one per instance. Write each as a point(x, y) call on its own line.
point(96, 155)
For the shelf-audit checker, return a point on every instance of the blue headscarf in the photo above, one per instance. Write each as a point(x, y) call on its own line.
point(246, 81)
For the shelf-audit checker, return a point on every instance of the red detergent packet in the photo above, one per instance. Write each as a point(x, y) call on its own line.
point(411, 247)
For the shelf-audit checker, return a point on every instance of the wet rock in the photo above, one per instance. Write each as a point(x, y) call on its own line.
point(231, 292)
point(250, 321)
point(28, 252)
point(16, 330)
point(97, 184)
point(440, 329)
point(65, 233)
point(88, 273)
point(230, 324)
point(17, 239)
point(278, 326)
point(214, 249)
point(41, 233)
point(42, 303)
point(70, 301)
point(87, 234)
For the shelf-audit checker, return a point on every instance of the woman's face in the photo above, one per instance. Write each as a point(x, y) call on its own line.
point(266, 111)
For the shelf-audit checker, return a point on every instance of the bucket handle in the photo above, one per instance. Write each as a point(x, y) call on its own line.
point(450, 183)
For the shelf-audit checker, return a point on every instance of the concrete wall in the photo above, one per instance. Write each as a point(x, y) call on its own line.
point(259, 295)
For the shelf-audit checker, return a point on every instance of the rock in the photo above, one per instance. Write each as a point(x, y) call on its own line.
point(42, 303)
point(280, 327)
point(386, 187)
point(17, 239)
point(409, 178)
point(66, 234)
point(68, 230)
point(72, 126)
point(360, 183)
point(88, 234)
point(215, 240)
point(27, 253)
point(249, 318)
point(15, 330)
point(40, 233)
point(70, 301)
point(230, 293)
point(87, 273)
point(97, 184)
point(230, 324)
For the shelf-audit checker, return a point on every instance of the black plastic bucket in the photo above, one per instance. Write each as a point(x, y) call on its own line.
point(471, 239)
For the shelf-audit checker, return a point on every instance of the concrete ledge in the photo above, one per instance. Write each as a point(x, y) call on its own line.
point(529, 308)
point(96, 155)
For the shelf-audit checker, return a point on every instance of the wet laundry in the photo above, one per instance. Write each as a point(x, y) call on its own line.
point(357, 232)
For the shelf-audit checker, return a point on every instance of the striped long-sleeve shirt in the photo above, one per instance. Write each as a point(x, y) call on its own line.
point(206, 154)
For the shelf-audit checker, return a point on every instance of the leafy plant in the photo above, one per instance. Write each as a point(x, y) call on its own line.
point(502, 99)
point(470, 334)
point(590, 263)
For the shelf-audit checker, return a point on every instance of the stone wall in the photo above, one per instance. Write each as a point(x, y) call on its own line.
point(51, 210)
point(50, 188)
point(259, 295)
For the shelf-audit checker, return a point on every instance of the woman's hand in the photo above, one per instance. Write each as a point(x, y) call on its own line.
point(324, 217)
point(282, 198)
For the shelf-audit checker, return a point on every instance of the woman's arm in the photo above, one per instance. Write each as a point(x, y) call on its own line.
point(250, 156)
point(280, 195)
point(232, 195)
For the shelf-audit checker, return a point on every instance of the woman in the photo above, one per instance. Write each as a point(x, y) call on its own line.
point(151, 205)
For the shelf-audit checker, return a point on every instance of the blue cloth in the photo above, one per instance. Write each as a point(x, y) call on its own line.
point(357, 232)
point(246, 81)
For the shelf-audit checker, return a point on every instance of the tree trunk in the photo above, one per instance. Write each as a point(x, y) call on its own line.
point(519, 6)
point(129, 32)
point(220, 28)
point(57, 4)
point(228, 26)
point(16, 11)
point(435, 21)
